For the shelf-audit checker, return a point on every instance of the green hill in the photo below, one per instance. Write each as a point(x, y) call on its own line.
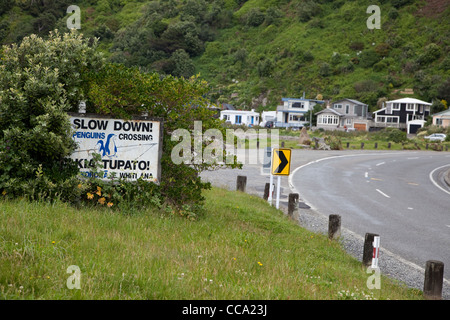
point(255, 52)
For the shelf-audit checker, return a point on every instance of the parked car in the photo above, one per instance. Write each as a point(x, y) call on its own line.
point(269, 124)
point(436, 137)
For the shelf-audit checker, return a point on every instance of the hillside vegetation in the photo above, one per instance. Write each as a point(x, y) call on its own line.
point(255, 52)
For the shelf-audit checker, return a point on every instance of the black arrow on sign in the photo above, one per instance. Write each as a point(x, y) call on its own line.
point(283, 162)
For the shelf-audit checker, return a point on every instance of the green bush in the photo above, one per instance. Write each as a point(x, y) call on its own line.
point(254, 17)
point(40, 80)
point(392, 134)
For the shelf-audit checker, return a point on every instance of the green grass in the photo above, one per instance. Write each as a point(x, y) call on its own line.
point(241, 248)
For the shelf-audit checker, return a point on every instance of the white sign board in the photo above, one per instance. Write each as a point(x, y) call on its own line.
point(129, 148)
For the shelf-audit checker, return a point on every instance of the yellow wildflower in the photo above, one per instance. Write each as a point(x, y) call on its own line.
point(90, 195)
point(102, 201)
point(99, 191)
point(4, 192)
point(110, 204)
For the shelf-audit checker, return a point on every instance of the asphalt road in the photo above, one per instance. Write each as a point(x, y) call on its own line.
point(399, 195)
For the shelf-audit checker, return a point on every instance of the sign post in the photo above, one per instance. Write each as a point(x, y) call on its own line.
point(376, 251)
point(281, 163)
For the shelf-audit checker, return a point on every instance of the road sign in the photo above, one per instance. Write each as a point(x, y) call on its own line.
point(281, 160)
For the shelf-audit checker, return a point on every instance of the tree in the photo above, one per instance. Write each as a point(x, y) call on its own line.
point(40, 80)
point(122, 92)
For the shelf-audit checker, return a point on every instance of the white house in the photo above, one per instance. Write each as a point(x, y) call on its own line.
point(239, 117)
point(292, 114)
point(268, 116)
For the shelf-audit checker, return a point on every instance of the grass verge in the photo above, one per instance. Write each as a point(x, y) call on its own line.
point(240, 249)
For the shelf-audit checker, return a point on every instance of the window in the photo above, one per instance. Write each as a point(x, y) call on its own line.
point(410, 107)
point(438, 122)
point(347, 108)
point(338, 106)
point(349, 121)
point(238, 119)
point(389, 108)
point(396, 106)
point(299, 105)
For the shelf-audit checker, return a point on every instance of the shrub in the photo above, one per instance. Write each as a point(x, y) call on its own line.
point(368, 58)
point(307, 10)
point(334, 142)
point(254, 17)
point(179, 102)
point(430, 54)
point(392, 134)
point(40, 80)
point(264, 67)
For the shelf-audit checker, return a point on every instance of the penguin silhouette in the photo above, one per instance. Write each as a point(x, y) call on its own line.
point(105, 149)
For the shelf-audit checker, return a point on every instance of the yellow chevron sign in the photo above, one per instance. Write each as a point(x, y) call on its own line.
point(281, 162)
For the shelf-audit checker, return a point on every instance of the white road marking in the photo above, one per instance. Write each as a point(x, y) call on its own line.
point(382, 193)
point(381, 163)
point(409, 208)
point(434, 182)
point(366, 174)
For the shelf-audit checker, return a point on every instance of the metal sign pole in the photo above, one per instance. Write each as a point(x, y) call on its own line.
point(278, 192)
point(269, 199)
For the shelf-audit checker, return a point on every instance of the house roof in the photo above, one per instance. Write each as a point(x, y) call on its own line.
point(240, 112)
point(228, 106)
point(330, 110)
point(409, 100)
point(301, 99)
point(351, 100)
point(443, 113)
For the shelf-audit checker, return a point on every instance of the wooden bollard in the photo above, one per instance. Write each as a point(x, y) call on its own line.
point(389, 145)
point(434, 279)
point(292, 203)
point(282, 144)
point(362, 145)
point(266, 191)
point(348, 145)
point(241, 183)
point(368, 249)
point(376, 145)
point(334, 226)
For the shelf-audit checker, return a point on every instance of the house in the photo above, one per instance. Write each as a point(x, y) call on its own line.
point(240, 117)
point(442, 118)
point(268, 116)
point(292, 114)
point(344, 114)
point(407, 114)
